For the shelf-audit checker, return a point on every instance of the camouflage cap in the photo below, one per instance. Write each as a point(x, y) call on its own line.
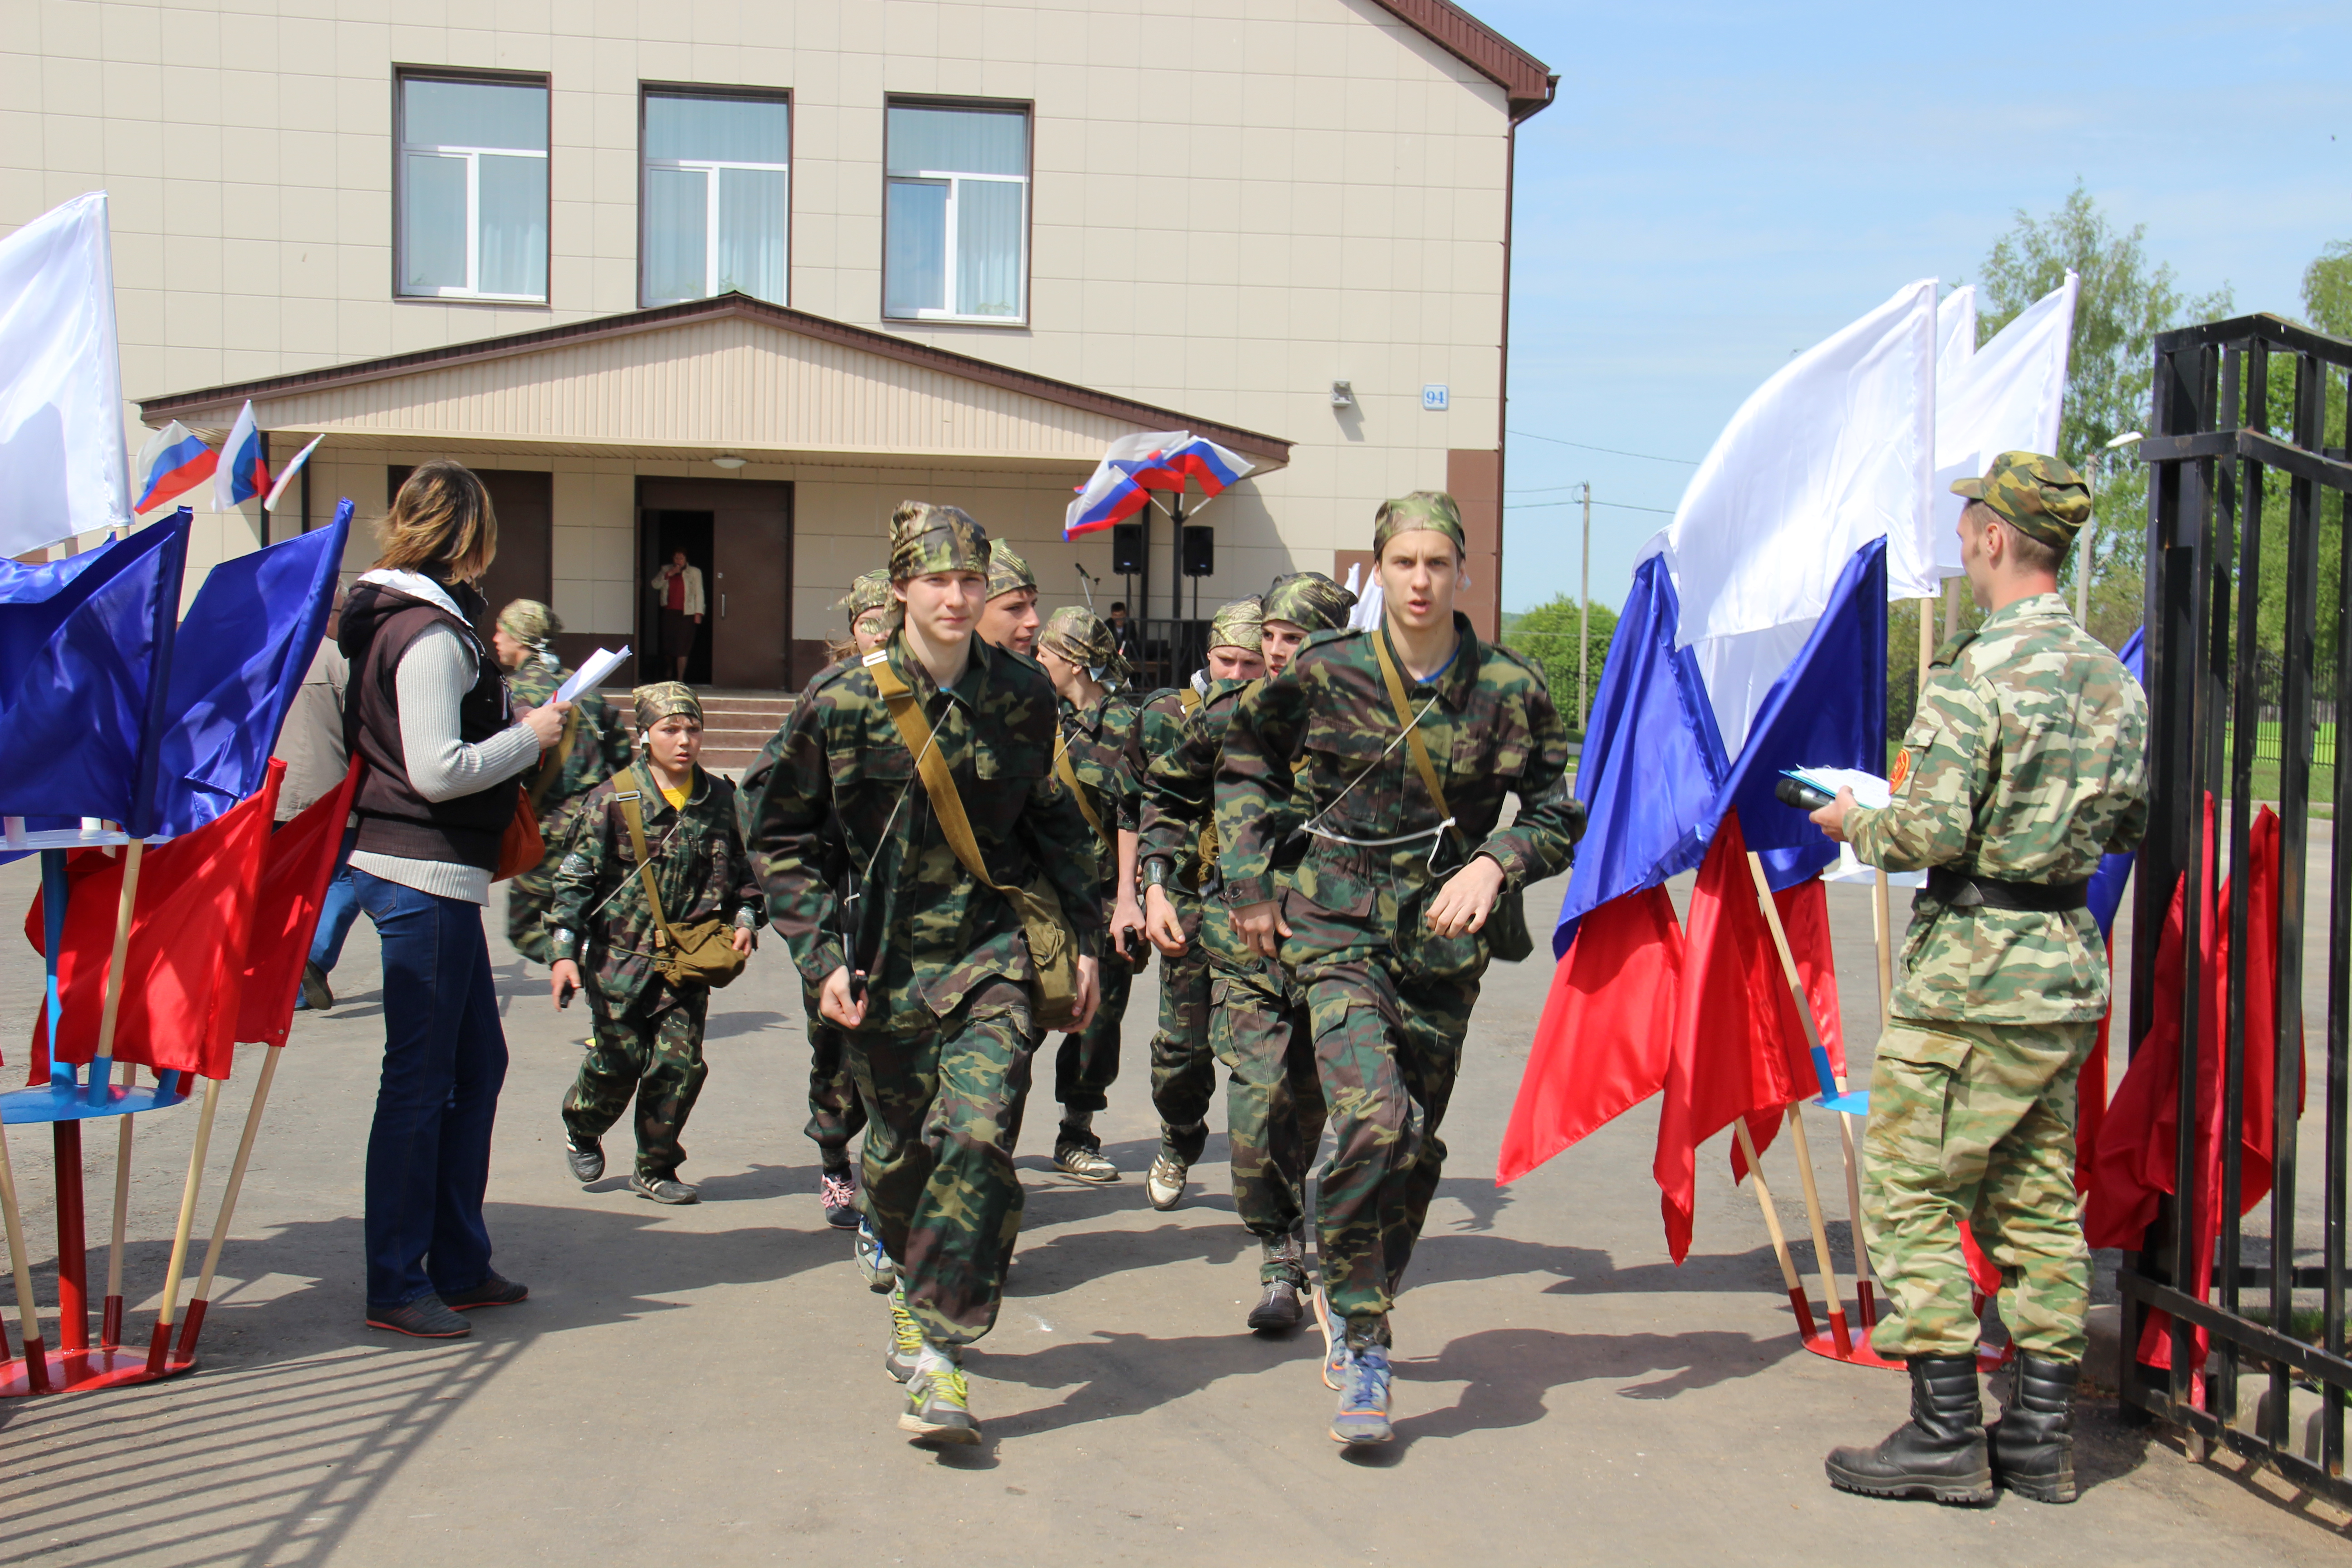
point(1241, 624)
point(1008, 573)
point(925, 538)
point(662, 699)
point(529, 622)
point(1308, 599)
point(1078, 635)
point(2039, 496)
point(870, 592)
point(1423, 508)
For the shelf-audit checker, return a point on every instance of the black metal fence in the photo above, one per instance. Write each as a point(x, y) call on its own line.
point(2275, 1315)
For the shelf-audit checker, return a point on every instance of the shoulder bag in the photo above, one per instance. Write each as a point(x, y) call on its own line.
point(702, 954)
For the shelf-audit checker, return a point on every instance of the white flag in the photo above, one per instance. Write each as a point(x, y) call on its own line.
point(2006, 397)
point(62, 469)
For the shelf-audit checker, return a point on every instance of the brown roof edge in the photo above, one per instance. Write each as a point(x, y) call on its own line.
point(156, 411)
point(1529, 83)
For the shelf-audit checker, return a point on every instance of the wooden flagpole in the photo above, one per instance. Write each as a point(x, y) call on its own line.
point(1839, 1335)
point(194, 1324)
point(29, 1317)
point(162, 1342)
point(1772, 1227)
point(110, 1331)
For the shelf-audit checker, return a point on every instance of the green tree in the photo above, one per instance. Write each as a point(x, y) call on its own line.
point(1547, 634)
point(2327, 290)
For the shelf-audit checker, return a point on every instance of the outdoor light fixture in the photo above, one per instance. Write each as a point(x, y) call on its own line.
point(729, 461)
point(1343, 394)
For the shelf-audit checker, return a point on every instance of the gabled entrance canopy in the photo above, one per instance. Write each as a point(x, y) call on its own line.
point(731, 374)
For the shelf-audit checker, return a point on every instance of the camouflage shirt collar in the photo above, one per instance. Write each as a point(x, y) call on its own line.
point(1455, 682)
point(2032, 607)
point(1092, 719)
point(649, 786)
point(970, 691)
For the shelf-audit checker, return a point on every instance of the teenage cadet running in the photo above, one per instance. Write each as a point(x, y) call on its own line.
point(1388, 946)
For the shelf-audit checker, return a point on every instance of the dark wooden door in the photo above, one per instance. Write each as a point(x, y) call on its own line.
point(525, 566)
point(748, 582)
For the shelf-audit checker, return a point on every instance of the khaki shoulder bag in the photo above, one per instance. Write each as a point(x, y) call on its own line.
point(1069, 777)
point(702, 954)
point(1505, 930)
point(1053, 945)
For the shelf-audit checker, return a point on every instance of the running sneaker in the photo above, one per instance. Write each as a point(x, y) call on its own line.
point(906, 1352)
point(583, 1157)
point(1363, 1414)
point(664, 1190)
point(1163, 1184)
point(873, 1264)
point(1086, 1163)
point(837, 1192)
point(1278, 1310)
point(938, 1403)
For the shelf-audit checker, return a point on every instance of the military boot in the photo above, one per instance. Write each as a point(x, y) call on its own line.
point(1281, 1267)
point(1940, 1453)
point(2033, 1441)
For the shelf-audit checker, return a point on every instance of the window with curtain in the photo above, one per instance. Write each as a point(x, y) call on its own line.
point(718, 193)
point(956, 214)
point(470, 207)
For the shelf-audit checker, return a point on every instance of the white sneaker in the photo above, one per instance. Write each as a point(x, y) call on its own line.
point(1163, 1184)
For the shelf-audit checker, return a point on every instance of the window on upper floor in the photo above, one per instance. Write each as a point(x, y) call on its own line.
point(956, 214)
point(717, 198)
point(470, 189)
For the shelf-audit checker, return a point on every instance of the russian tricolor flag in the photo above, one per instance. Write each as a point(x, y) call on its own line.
point(174, 461)
point(1135, 465)
point(242, 473)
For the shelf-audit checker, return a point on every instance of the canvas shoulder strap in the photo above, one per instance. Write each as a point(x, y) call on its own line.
point(1404, 707)
point(551, 767)
point(938, 782)
point(630, 815)
point(1069, 777)
point(1189, 701)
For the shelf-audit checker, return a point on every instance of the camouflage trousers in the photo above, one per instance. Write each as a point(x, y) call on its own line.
point(1184, 1070)
point(652, 1050)
point(1087, 1063)
point(944, 1098)
point(1976, 1122)
point(528, 898)
point(836, 1113)
point(1274, 1101)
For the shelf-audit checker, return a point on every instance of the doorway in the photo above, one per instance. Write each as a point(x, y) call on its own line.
point(739, 532)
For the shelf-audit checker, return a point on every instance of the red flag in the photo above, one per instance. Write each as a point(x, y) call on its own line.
point(184, 968)
point(1739, 1047)
point(295, 872)
point(1601, 1048)
point(1805, 920)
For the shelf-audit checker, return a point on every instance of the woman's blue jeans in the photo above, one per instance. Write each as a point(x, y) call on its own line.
point(444, 1059)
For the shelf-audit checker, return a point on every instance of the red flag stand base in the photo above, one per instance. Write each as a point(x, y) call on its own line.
point(84, 1371)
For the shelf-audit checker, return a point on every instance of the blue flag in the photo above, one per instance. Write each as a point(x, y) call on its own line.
point(84, 707)
point(34, 600)
point(242, 653)
point(2108, 882)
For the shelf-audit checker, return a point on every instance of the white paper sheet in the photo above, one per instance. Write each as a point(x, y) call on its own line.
point(1869, 789)
point(591, 673)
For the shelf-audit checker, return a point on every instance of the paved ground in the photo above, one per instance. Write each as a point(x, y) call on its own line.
point(703, 1385)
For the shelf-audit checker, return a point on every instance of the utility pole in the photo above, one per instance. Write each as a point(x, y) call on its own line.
point(1584, 618)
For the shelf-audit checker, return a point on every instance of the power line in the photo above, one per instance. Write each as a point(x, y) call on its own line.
point(1621, 506)
point(1613, 452)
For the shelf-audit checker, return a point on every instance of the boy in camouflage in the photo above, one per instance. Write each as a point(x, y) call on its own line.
point(1010, 619)
point(594, 747)
point(1094, 758)
point(648, 1038)
point(1381, 925)
point(926, 966)
point(1184, 1064)
point(1258, 1023)
point(2027, 762)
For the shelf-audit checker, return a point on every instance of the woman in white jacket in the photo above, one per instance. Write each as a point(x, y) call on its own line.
point(678, 592)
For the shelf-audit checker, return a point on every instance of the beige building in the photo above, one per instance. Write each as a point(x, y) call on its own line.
point(736, 277)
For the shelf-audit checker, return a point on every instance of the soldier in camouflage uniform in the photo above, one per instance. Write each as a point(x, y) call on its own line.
point(594, 746)
point(1382, 923)
point(1009, 621)
point(1258, 1023)
point(926, 968)
point(1096, 758)
point(2026, 763)
point(1184, 1064)
point(648, 1039)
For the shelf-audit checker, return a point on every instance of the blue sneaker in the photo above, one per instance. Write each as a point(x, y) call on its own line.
point(1363, 1417)
point(874, 1265)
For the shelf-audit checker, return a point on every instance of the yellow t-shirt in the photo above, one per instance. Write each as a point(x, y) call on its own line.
point(677, 797)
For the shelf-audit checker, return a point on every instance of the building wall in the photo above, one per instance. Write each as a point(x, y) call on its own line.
point(1236, 203)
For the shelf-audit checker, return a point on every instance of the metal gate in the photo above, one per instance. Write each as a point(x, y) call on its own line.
point(2246, 508)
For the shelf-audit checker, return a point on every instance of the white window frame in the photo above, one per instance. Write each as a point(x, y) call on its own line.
point(473, 160)
point(955, 183)
point(709, 169)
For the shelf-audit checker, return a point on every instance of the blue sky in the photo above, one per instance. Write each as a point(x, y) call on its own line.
point(1719, 186)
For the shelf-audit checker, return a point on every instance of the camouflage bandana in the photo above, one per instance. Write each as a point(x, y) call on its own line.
point(1423, 508)
point(662, 699)
point(1078, 635)
point(1239, 624)
point(530, 622)
point(2039, 496)
point(1308, 599)
point(1008, 573)
point(870, 592)
point(926, 539)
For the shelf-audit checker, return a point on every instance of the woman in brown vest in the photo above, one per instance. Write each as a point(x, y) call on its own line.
point(427, 715)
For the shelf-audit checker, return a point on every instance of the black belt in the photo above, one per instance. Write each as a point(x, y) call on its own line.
point(1961, 890)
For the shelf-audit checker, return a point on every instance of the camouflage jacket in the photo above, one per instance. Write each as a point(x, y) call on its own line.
point(1172, 811)
point(1325, 729)
point(1102, 747)
point(1177, 816)
point(600, 746)
point(842, 803)
point(700, 865)
point(2028, 760)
